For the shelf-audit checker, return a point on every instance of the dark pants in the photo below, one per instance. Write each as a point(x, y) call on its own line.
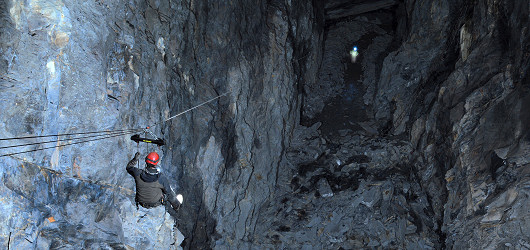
point(150, 205)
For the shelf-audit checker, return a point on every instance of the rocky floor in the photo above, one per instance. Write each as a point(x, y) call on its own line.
point(348, 192)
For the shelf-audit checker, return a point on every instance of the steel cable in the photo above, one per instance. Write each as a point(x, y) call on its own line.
point(82, 133)
point(190, 109)
point(72, 143)
point(95, 134)
point(58, 140)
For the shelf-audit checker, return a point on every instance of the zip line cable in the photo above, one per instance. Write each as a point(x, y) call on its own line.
point(95, 134)
point(68, 144)
point(58, 140)
point(82, 133)
point(192, 108)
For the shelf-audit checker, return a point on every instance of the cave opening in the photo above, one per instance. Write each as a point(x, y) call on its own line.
point(341, 150)
point(341, 99)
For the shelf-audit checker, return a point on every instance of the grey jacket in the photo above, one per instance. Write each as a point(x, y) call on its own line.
point(151, 187)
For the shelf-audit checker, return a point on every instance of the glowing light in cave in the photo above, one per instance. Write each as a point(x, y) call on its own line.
point(354, 53)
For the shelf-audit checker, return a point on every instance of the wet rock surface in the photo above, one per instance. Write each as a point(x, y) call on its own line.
point(72, 67)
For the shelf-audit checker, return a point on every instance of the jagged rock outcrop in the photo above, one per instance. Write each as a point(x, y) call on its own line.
point(461, 91)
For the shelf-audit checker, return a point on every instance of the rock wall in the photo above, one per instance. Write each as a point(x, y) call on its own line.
point(76, 66)
point(79, 66)
point(450, 101)
point(230, 152)
point(458, 86)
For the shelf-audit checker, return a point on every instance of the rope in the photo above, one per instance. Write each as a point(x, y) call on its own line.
point(59, 140)
point(72, 143)
point(83, 133)
point(138, 150)
point(192, 108)
point(146, 145)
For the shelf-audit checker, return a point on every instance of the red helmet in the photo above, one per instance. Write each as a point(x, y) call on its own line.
point(152, 158)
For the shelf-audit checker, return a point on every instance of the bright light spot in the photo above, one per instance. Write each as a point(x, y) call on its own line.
point(180, 198)
point(51, 68)
point(354, 53)
point(160, 45)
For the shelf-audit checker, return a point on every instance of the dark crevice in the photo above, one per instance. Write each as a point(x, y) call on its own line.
point(335, 21)
point(441, 71)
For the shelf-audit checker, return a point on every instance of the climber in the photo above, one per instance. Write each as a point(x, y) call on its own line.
point(354, 53)
point(152, 188)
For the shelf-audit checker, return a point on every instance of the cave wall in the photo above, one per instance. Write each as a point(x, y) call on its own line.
point(76, 66)
point(458, 88)
point(79, 66)
point(230, 152)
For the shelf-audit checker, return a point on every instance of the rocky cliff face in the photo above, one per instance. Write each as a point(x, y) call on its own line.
point(90, 66)
point(72, 67)
point(458, 86)
point(420, 143)
point(230, 153)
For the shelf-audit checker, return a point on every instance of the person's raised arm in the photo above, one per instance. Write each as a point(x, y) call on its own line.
point(131, 169)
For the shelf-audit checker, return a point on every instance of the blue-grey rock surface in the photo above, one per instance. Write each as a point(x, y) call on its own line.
point(79, 66)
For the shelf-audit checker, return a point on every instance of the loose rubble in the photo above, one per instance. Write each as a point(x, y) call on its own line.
point(372, 199)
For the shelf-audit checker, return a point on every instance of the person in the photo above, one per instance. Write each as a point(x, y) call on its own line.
point(152, 188)
point(354, 54)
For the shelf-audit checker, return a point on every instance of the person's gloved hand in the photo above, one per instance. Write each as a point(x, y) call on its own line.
point(136, 155)
point(180, 198)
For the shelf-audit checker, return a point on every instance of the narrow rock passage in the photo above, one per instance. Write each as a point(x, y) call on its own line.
point(342, 98)
point(347, 187)
point(346, 109)
point(438, 159)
